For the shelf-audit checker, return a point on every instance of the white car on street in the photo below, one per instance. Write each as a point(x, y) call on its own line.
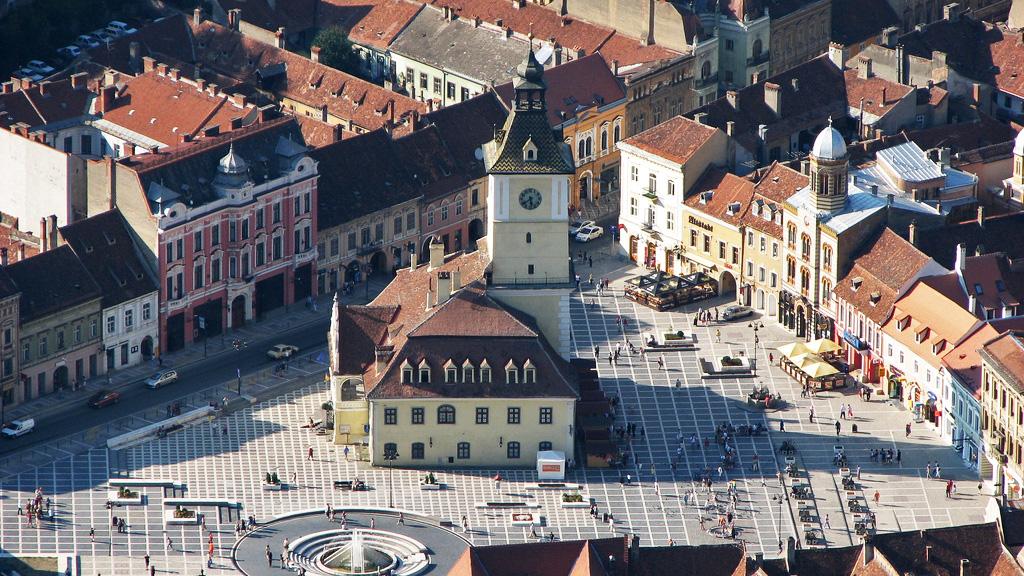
point(18, 428)
point(575, 227)
point(588, 233)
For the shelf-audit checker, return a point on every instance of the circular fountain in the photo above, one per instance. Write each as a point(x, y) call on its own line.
point(359, 552)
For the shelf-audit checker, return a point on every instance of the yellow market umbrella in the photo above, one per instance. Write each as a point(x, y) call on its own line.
point(819, 370)
point(822, 346)
point(805, 359)
point(793, 349)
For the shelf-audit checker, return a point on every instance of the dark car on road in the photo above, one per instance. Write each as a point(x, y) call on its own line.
point(104, 398)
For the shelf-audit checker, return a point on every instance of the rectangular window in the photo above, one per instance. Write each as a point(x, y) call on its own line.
point(735, 255)
point(245, 228)
point(296, 206)
point(197, 241)
point(277, 213)
point(482, 415)
point(513, 450)
point(775, 249)
point(546, 415)
point(417, 416)
point(450, 91)
point(111, 325)
point(444, 213)
point(513, 415)
point(764, 243)
point(721, 250)
point(775, 280)
point(129, 318)
point(215, 235)
point(78, 333)
point(93, 328)
point(43, 347)
point(437, 85)
point(26, 351)
point(707, 243)
point(277, 248)
point(86, 145)
point(60, 339)
point(364, 236)
point(398, 225)
point(334, 246)
point(197, 276)
point(391, 416)
point(671, 188)
point(464, 95)
point(215, 270)
point(378, 232)
point(423, 81)
point(232, 231)
point(169, 252)
point(259, 218)
point(351, 241)
point(652, 183)
point(430, 218)
point(730, 45)
point(417, 451)
point(670, 220)
point(634, 173)
point(179, 248)
point(232, 267)
point(462, 452)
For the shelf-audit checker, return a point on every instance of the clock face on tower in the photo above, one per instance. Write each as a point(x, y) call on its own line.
point(530, 198)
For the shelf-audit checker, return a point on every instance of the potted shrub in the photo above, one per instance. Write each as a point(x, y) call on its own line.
point(575, 500)
point(272, 482)
point(429, 482)
point(124, 496)
point(574, 497)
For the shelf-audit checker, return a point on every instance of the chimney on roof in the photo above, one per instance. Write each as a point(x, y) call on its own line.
point(927, 553)
point(129, 149)
point(212, 88)
point(869, 551)
point(43, 87)
point(201, 84)
point(444, 286)
point(615, 64)
point(889, 36)
point(758, 560)
point(772, 98)
point(44, 244)
point(240, 100)
point(314, 53)
point(961, 257)
point(7, 87)
point(951, 12)
point(965, 567)
point(864, 68)
point(174, 74)
point(3, 257)
point(79, 81)
point(148, 64)
point(912, 233)
point(517, 4)
point(54, 238)
point(981, 216)
point(106, 101)
point(280, 38)
point(26, 83)
point(336, 136)
point(837, 54)
point(197, 16)
point(730, 128)
point(234, 18)
point(436, 253)
point(884, 94)
point(135, 56)
point(161, 68)
point(732, 97)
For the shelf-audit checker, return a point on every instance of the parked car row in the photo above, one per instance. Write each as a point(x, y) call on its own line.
point(37, 70)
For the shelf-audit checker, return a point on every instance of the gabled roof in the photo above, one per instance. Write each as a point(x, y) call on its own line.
point(878, 95)
point(465, 127)
point(52, 281)
point(163, 109)
point(773, 185)
point(373, 23)
point(1004, 352)
point(706, 560)
point(104, 244)
point(583, 84)
point(928, 305)
point(965, 136)
point(940, 550)
point(168, 36)
point(360, 330)
point(885, 265)
point(677, 139)
point(819, 92)
point(562, 558)
point(717, 192)
point(1003, 233)
point(44, 103)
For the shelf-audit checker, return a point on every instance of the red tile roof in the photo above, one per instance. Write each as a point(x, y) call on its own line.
point(726, 190)
point(631, 51)
point(164, 109)
point(713, 560)
point(44, 103)
point(366, 105)
point(318, 134)
point(878, 94)
point(939, 551)
point(360, 330)
point(583, 84)
point(1005, 353)
point(964, 136)
point(772, 187)
point(369, 22)
point(1008, 59)
point(676, 139)
point(564, 558)
point(15, 241)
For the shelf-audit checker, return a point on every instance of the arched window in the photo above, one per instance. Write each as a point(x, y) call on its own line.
point(805, 246)
point(617, 132)
point(705, 69)
point(529, 238)
point(390, 448)
point(604, 139)
point(590, 146)
point(544, 446)
point(827, 256)
point(826, 289)
point(790, 268)
point(581, 150)
point(463, 451)
point(417, 451)
point(757, 48)
point(805, 279)
point(446, 414)
point(791, 233)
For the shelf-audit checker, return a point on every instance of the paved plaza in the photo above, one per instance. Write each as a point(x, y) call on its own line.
point(225, 460)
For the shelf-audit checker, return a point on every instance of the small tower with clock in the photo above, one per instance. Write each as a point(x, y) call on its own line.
point(528, 205)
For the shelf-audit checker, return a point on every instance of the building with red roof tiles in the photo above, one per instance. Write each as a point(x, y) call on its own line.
point(1002, 387)
point(587, 108)
point(226, 223)
point(372, 26)
point(278, 22)
point(660, 167)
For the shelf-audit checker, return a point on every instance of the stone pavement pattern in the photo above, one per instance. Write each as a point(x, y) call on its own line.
point(268, 438)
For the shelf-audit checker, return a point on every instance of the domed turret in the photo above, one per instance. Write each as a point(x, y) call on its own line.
point(830, 144)
point(232, 163)
point(1018, 144)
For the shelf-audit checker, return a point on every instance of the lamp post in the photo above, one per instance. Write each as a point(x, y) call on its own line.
point(390, 455)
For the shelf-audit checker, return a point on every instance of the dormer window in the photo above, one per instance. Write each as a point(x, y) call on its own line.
point(733, 208)
point(922, 335)
point(485, 372)
point(875, 297)
point(938, 346)
point(903, 323)
point(407, 371)
point(451, 372)
point(857, 281)
point(467, 371)
point(511, 373)
point(424, 372)
point(529, 151)
point(529, 373)
point(978, 290)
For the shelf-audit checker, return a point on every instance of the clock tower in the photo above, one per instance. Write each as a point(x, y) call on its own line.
point(528, 209)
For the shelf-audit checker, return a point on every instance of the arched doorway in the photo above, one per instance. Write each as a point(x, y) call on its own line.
point(146, 347)
point(425, 251)
point(651, 255)
point(760, 299)
point(726, 284)
point(60, 377)
point(352, 271)
point(476, 232)
point(634, 244)
point(238, 311)
point(801, 322)
point(378, 263)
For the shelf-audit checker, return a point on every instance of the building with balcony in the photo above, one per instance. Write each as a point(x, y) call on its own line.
point(227, 224)
point(10, 298)
point(1002, 399)
point(660, 167)
point(131, 296)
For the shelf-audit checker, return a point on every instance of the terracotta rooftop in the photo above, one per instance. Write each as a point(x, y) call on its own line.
point(1005, 353)
point(1008, 58)
point(44, 103)
point(879, 95)
point(721, 195)
point(929, 316)
point(318, 133)
point(676, 139)
point(166, 110)
point(369, 22)
point(574, 87)
point(873, 283)
point(965, 359)
point(565, 558)
point(940, 550)
point(40, 294)
point(772, 187)
point(707, 560)
point(19, 244)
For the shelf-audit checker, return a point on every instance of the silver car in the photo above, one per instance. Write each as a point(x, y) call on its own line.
point(161, 378)
point(736, 312)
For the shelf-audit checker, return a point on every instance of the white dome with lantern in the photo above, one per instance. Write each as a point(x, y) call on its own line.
point(830, 144)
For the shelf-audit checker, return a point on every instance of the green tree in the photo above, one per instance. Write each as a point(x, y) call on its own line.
point(336, 49)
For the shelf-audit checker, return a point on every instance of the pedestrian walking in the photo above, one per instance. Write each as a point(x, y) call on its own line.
point(837, 427)
point(938, 470)
point(811, 415)
point(373, 523)
point(858, 472)
point(146, 560)
point(152, 571)
point(828, 524)
point(401, 519)
point(771, 358)
point(270, 557)
point(661, 362)
point(170, 543)
point(877, 497)
point(899, 456)
point(782, 425)
point(92, 538)
point(928, 470)
point(718, 336)
point(908, 430)
point(309, 453)
point(842, 411)
point(346, 453)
